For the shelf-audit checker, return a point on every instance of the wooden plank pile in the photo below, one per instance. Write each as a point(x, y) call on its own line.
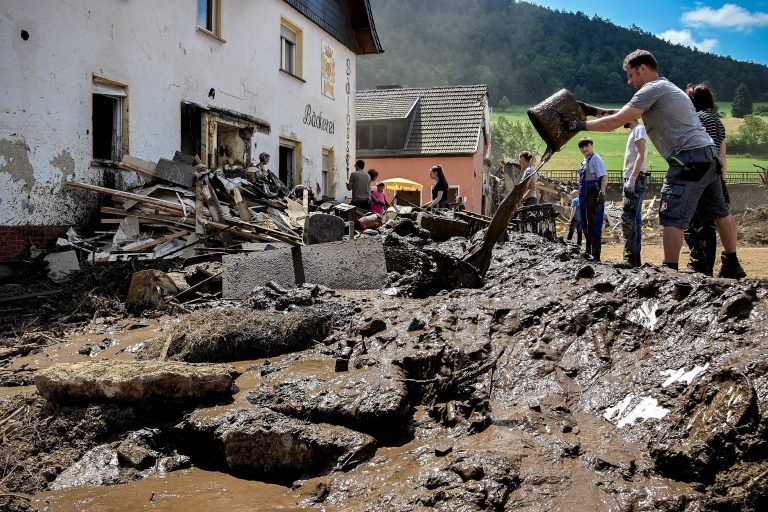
point(187, 207)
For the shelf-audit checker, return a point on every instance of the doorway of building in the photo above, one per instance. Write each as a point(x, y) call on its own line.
point(287, 165)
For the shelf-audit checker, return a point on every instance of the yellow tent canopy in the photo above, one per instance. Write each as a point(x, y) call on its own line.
point(401, 184)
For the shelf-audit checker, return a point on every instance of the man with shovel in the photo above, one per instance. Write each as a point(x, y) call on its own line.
point(693, 178)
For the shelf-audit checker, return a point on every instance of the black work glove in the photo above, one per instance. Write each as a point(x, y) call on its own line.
point(572, 124)
point(725, 193)
point(601, 197)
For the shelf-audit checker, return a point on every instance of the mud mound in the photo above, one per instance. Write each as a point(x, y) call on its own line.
point(753, 226)
point(235, 334)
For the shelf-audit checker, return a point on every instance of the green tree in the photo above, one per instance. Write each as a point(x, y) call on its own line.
point(509, 138)
point(754, 130)
point(742, 102)
point(503, 103)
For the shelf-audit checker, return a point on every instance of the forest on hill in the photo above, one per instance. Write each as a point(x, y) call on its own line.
point(525, 52)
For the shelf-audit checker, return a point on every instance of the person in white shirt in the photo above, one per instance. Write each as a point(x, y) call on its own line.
point(635, 158)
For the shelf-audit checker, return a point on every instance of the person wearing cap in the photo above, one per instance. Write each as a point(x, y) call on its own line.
point(693, 179)
point(593, 178)
point(635, 157)
point(378, 200)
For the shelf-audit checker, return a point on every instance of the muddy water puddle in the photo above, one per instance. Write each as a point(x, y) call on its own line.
point(192, 490)
point(121, 341)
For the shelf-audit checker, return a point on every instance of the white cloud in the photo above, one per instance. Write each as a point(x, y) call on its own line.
point(685, 38)
point(728, 16)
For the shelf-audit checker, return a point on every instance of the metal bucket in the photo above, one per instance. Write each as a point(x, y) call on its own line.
point(547, 117)
point(369, 222)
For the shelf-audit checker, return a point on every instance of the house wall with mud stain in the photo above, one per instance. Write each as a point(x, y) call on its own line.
point(56, 55)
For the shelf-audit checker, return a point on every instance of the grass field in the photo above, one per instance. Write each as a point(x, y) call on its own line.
point(611, 145)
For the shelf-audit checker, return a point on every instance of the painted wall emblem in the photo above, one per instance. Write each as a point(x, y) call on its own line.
point(328, 70)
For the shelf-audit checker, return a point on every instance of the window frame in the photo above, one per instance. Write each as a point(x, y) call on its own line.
point(291, 38)
point(212, 24)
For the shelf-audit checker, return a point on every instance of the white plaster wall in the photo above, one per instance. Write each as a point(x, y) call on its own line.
point(156, 50)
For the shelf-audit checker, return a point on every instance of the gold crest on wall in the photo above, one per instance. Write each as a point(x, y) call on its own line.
point(328, 70)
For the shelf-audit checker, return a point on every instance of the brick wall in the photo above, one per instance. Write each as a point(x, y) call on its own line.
point(15, 241)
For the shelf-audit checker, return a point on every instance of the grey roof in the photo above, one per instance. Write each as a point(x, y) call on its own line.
point(446, 120)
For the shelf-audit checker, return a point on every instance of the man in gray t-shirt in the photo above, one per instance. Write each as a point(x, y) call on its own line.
point(693, 180)
point(360, 185)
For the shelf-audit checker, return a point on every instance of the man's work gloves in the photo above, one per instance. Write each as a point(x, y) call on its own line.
point(601, 197)
point(629, 186)
point(572, 124)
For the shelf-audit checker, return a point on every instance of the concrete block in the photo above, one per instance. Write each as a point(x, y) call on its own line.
point(322, 228)
point(242, 273)
point(356, 265)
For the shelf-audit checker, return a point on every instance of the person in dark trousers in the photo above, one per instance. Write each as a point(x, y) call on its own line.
point(574, 223)
point(593, 178)
point(439, 189)
point(360, 185)
point(635, 157)
point(693, 179)
point(701, 236)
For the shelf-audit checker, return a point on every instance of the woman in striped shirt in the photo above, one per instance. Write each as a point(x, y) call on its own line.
point(701, 237)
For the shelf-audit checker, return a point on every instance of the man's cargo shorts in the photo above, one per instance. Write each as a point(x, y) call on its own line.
point(692, 184)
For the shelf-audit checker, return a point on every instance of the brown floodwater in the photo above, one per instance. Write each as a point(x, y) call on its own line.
point(190, 490)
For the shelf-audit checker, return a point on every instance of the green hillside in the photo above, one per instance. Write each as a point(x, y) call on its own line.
point(526, 52)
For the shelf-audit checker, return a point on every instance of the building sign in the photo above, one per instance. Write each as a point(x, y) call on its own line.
point(312, 118)
point(328, 70)
point(349, 115)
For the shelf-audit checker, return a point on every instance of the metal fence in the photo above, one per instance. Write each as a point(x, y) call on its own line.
point(614, 176)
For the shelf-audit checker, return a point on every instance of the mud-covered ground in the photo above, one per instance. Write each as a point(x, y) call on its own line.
point(558, 384)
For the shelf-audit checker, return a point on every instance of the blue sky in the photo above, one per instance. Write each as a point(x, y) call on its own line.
point(736, 28)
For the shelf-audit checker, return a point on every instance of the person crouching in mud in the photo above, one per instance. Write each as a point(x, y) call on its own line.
point(593, 178)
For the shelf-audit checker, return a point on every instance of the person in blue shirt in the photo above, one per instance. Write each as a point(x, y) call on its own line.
point(593, 178)
point(574, 224)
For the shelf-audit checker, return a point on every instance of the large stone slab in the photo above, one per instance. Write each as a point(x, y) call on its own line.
point(322, 228)
point(356, 265)
point(372, 399)
point(259, 442)
point(134, 381)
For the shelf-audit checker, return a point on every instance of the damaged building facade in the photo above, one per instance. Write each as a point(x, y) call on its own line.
point(87, 82)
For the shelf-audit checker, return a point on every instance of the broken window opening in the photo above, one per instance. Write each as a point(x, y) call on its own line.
point(191, 130)
point(453, 194)
point(107, 122)
point(233, 145)
point(209, 15)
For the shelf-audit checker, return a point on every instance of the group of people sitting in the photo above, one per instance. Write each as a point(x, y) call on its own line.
point(375, 201)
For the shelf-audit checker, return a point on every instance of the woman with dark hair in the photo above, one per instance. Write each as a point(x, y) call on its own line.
point(701, 237)
point(439, 189)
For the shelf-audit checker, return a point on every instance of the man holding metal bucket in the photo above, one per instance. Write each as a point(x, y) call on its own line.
point(693, 178)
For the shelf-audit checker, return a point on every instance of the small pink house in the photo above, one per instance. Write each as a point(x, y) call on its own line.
point(402, 132)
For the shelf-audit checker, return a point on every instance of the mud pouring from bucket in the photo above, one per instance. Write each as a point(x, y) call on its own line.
point(547, 117)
